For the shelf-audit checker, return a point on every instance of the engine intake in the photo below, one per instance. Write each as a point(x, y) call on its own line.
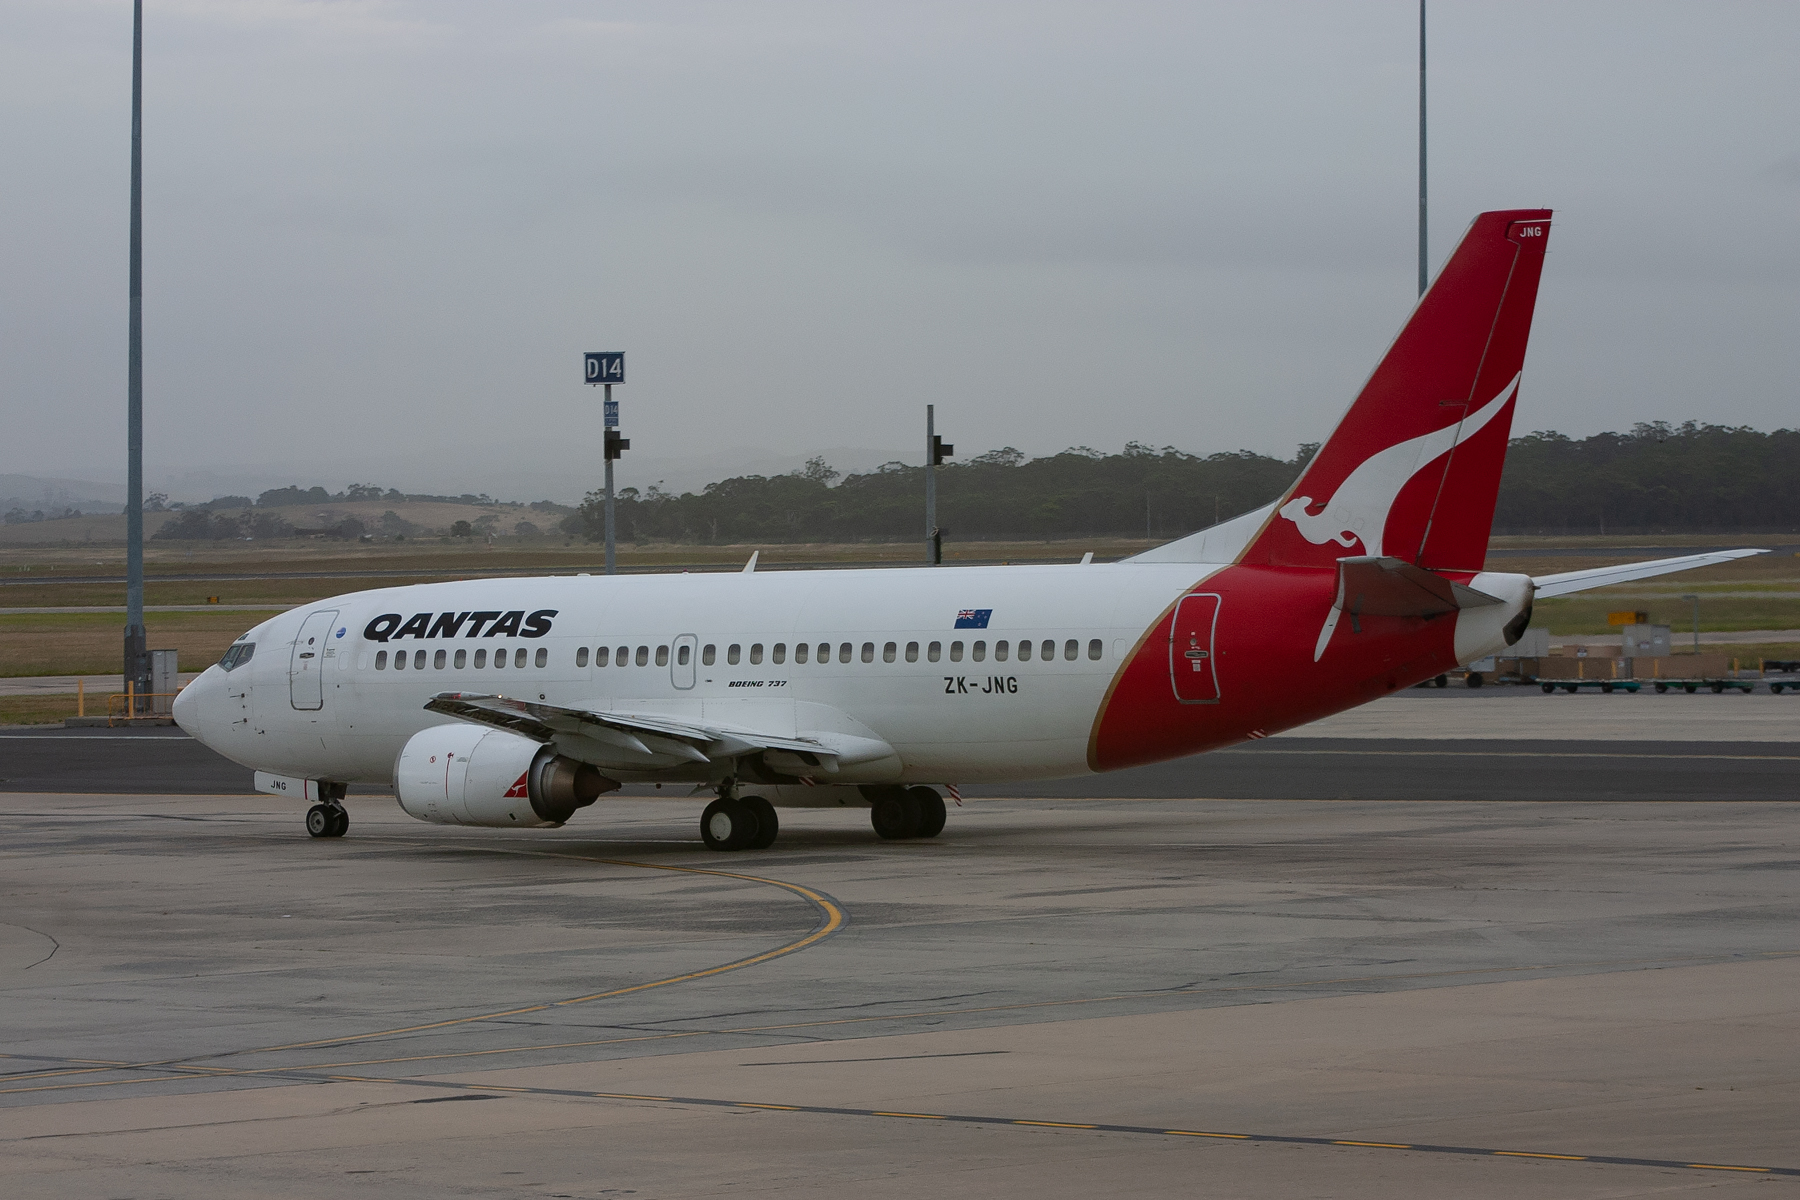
point(462, 774)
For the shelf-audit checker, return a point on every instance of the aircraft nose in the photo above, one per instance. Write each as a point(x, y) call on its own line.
point(191, 706)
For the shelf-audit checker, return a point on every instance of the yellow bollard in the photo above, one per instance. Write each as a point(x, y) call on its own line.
point(130, 699)
point(81, 697)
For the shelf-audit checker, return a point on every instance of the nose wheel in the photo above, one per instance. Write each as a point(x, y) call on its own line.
point(327, 820)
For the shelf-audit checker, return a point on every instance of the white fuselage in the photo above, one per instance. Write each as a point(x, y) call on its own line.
point(962, 704)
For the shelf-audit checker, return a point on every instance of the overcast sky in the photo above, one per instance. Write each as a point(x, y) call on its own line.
point(379, 235)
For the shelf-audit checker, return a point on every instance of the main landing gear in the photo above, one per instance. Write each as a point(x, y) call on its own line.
point(327, 820)
point(914, 812)
point(739, 823)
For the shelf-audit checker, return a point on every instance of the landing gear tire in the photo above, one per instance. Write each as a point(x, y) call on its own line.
point(1441, 681)
point(931, 811)
point(1475, 679)
point(767, 823)
point(327, 821)
point(896, 815)
point(728, 825)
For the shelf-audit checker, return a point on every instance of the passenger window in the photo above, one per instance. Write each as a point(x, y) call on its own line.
point(868, 654)
point(1048, 650)
point(934, 651)
point(1094, 649)
point(778, 654)
point(601, 655)
point(643, 656)
point(755, 653)
point(580, 657)
point(980, 651)
point(462, 659)
point(955, 651)
point(682, 655)
point(662, 656)
point(889, 652)
point(824, 652)
point(622, 657)
point(800, 649)
point(519, 657)
point(418, 660)
point(543, 656)
point(480, 659)
point(709, 655)
point(912, 652)
point(1024, 651)
point(844, 651)
point(381, 660)
point(399, 660)
point(1000, 651)
point(1070, 648)
point(734, 654)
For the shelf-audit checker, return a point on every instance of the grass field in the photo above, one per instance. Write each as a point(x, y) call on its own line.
point(44, 710)
point(93, 643)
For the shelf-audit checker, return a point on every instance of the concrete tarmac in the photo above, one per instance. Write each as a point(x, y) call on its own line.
point(1060, 997)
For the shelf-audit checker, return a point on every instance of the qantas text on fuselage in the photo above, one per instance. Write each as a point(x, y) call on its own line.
point(518, 702)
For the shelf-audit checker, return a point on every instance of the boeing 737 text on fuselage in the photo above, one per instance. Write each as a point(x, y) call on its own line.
point(519, 702)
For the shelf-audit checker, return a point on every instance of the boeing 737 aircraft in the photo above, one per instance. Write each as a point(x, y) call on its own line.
point(517, 702)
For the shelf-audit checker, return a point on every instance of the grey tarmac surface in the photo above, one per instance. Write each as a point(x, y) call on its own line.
point(1278, 996)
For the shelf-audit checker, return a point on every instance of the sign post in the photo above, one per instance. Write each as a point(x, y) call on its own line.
point(606, 368)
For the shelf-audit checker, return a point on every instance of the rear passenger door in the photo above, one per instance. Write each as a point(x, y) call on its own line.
point(1191, 663)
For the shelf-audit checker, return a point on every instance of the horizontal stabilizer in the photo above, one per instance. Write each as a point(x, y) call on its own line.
point(1393, 587)
point(1580, 581)
point(1385, 586)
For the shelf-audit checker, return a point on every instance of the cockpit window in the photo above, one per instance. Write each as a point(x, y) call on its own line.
point(238, 655)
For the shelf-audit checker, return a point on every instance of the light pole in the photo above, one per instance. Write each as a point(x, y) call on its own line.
point(1696, 600)
point(1421, 147)
point(607, 367)
point(137, 656)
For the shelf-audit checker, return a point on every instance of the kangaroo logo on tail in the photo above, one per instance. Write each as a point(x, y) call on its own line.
point(1358, 510)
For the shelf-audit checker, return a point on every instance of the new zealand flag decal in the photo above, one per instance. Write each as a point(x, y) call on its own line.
point(973, 618)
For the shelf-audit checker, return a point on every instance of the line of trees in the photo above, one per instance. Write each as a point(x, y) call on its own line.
point(1687, 478)
point(1657, 478)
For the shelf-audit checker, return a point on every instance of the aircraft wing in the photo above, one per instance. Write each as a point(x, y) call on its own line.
point(650, 741)
point(1580, 581)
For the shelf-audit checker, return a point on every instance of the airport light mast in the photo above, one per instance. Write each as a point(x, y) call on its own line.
point(137, 655)
point(936, 451)
point(607, 367)
point(1422, 279)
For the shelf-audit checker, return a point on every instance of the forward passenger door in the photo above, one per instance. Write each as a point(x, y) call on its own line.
point(306, 681)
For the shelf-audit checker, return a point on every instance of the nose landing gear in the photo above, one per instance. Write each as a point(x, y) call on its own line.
point(327, 820)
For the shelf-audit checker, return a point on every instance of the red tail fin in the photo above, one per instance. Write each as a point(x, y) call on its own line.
point(1413, 469)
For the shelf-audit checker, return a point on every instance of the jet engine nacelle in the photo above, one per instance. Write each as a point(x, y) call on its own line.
point(467, 775)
